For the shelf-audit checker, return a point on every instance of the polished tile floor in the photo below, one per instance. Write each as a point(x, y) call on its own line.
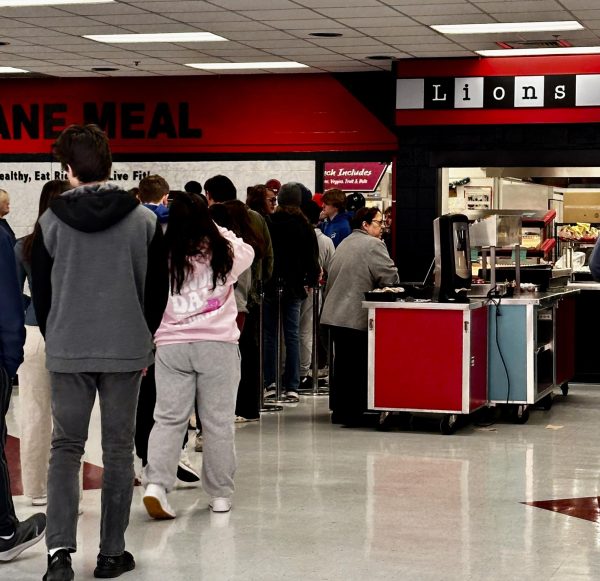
point(319, 502)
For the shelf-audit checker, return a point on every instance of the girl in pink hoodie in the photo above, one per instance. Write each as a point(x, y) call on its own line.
point(197, 355)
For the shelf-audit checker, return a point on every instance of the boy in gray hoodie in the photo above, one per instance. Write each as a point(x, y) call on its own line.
point(101, 278)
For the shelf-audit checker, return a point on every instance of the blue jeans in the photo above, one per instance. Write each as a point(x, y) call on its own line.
point(290, 317)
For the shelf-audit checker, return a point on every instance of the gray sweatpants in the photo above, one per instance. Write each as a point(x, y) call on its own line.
point(210, 372)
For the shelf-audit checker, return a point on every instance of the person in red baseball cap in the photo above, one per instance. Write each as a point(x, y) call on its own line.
point(274, 185)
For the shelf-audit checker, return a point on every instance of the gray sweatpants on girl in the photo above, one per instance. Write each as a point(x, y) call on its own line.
point(208, 371)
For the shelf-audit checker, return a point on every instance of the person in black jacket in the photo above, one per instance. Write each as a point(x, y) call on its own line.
point(15, 536)
point(296, 268)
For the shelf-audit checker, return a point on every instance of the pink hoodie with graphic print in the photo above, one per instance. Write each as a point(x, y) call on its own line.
point(200, 313)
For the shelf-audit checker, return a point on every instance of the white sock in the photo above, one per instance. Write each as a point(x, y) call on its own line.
point(8, 538)
point(52, 552)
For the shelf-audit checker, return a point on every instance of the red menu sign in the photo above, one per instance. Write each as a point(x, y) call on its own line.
point(353, 176)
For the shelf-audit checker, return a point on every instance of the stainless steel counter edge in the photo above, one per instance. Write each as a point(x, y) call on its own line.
point(474, 304)
point(585, 285)
point(538, 298)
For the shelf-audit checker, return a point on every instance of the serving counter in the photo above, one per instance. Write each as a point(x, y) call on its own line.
point(427, 357)
point(531, 348)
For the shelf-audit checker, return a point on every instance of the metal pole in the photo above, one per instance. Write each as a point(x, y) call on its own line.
point(278, 357)
point(316, 311)
point(263, 407)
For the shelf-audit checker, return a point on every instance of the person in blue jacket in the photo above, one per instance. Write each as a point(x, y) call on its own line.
point(336, 223)
point(15, 536)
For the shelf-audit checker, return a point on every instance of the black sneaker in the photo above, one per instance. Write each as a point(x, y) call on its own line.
point(109, 567)
point(27, 534)
point(59, 567)
point(306, 384)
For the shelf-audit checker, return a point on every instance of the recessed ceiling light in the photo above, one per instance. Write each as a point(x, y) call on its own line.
point(496, 27)
point(158, 37)
point(12, 70)
point(379, 57)
point(325, 34)
point(255, 65)
point(540, 51)
point(104, 69)
point(18, 3)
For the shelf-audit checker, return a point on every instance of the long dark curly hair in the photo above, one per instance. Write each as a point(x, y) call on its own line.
point(191, 232)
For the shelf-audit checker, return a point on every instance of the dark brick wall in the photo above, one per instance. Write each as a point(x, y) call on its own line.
point(423, 151)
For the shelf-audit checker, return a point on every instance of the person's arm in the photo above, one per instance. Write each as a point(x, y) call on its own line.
point(156, 288)
point(243, 254)
point(41, 280)
point(267, 261)
point(12, 329)
point(382, 267)
point(312, 267)
point(595, 262)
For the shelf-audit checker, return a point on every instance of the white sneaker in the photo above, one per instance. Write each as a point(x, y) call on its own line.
point(292, 397)
point(39, 500)
point(185, 471)
point(218, 504)
point(198, 443)
point(243, 420)
point(156, 503)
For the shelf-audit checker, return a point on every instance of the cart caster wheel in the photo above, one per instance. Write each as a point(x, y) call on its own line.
point(385, 422)
point(521, 414)
point(449, 424)
point(564, 388)
point(546, 403)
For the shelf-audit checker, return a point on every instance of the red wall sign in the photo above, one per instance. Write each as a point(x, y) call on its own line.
point(234, 113)
point(563, 89)
point(353, 176)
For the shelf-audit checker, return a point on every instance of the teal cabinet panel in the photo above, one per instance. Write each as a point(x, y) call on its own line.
point(507, 336)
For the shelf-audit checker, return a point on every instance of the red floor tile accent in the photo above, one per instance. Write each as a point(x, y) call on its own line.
point(587, 508)
point(92, 475)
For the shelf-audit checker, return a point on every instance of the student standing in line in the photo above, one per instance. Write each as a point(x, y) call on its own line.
point(4, 210)
point(34, 378)
point(15, 536)
point(153, 194)
point(100, 276)
point(336, 222)
point(197, 355)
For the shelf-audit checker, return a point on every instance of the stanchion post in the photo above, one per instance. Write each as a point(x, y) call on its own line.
point(263, 407)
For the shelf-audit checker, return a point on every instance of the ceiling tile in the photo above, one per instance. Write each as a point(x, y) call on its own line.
point(255, 4)
point(318, 4)
point(434, 9)
point(522, 6)
point(125, 19)
point(376, 22)
point(358, 11)
point(278, 15)
point(456, 19)
point(208, 17)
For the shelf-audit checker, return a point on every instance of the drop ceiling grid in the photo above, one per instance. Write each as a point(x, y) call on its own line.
point(273, 29)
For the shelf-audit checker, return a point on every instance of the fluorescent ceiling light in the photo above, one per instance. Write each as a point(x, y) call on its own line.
point(496, 27)
point(158, 37)
point(12, 70)
point(256, 65)
point(18, 3)
point(540, 51)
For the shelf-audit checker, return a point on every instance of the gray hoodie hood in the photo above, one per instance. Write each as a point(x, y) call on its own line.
point(93, 208)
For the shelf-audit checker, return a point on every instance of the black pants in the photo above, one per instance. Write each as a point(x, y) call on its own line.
point(348, 390)
point(8, 518)
point(248, 398)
